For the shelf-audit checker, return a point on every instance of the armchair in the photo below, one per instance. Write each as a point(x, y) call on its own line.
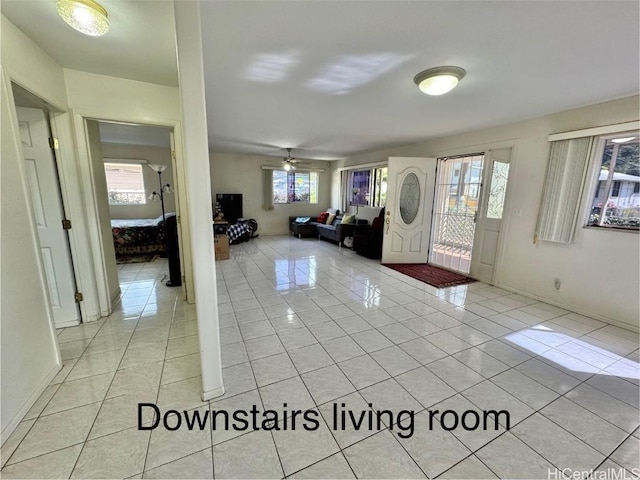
point(367, 239)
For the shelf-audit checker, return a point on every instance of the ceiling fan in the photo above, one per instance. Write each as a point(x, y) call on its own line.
point(288, 162)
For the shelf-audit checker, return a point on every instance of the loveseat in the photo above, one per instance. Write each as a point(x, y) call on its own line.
point(336, 231)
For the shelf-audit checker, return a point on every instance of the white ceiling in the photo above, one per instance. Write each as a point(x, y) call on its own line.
point(140, 44)
point(334, 78)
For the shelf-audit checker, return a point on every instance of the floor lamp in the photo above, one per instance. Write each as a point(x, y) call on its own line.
point(155, 196)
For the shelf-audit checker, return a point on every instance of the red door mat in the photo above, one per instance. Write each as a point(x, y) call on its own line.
point(438, 277)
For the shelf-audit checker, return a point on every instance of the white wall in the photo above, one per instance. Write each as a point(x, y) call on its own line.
point(111, 98)
point(231, 173)
point(152, 155)
point(599, 271)
point(29, 352)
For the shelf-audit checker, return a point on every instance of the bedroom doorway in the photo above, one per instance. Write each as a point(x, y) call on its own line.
point(41, 169)
point(135, 190)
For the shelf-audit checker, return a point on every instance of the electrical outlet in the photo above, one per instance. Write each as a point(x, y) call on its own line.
point(517, 212)
point(557, 283)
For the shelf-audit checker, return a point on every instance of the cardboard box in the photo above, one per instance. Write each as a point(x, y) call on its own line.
point(221, 247)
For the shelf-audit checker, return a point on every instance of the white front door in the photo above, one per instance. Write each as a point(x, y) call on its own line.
point(407, 222)
point(489, 215)
point(44, 190)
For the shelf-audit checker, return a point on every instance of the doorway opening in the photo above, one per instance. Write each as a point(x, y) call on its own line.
point(134, 175)
point(457, 202)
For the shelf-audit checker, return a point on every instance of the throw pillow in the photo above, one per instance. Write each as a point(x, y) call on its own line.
point(348, 219)
point(322, 218)
point(330, 218)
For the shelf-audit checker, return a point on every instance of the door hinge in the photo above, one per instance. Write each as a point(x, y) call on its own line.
point(66, 224)
point(178, 219)
point(78, 297)
point(53, 143)
point(173, 154)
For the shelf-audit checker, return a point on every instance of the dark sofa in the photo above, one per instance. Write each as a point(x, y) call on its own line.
point(336, 231)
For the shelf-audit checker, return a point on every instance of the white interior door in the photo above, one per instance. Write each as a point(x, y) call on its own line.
point(44, 190)
point(489, 215)
point(407, 227)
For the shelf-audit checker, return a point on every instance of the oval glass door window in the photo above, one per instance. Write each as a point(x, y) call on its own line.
point(409, 198)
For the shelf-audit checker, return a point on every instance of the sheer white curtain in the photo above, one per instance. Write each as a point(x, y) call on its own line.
point(267, 189)
point(344, 191)
point(562, 192)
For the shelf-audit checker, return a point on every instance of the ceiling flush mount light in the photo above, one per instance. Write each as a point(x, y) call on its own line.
point(439, 80)
point(86, 16)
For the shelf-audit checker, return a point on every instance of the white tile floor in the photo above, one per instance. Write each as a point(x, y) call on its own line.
point(307, 323)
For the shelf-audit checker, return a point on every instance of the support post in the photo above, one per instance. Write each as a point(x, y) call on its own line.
point(198, 192)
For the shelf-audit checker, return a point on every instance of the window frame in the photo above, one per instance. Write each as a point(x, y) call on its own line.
point(373, 194)
point(592, 188)
point(128, 163)
point(290, 187)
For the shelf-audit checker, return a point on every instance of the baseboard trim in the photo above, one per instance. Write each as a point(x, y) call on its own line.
point(572, 308)
point(72, 323)
point(211, 394)
point(33, 398)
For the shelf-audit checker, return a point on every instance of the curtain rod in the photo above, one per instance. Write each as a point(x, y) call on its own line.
point(124, 160)
point(452, 157)
point(270, 167)
point(592, 132)
point(363, 166)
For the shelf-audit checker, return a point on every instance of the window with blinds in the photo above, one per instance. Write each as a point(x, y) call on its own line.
point(125, 183)
point(563, 185)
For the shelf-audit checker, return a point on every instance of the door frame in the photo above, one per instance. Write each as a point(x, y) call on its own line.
point(87, 177)
point(440, 161)
point(485, 191)
point(506, 219)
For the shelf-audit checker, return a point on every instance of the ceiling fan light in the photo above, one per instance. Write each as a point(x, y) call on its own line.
point(85, 16)
point(439, 80)
point(287, 166)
